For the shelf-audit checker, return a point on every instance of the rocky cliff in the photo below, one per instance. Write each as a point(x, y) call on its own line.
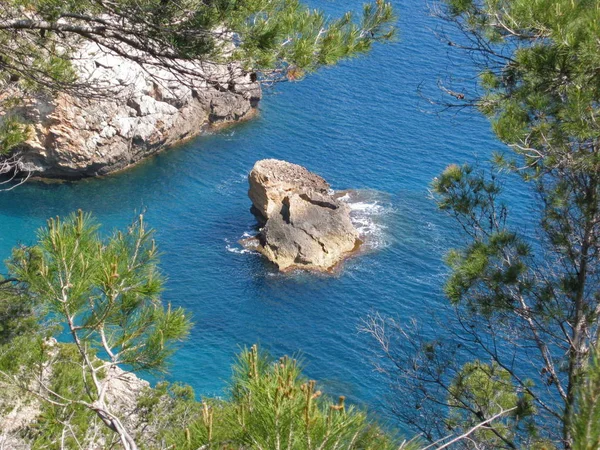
point(304, 225)
point(135, 112)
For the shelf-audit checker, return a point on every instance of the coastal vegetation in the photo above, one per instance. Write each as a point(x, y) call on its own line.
point(102, 298)
point(517, 368)
point(274, 40)
point(524, 296)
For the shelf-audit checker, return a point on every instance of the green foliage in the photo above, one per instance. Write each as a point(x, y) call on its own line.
point(483, 391)
point(464, 192)
point(12, 133)
point(270, 404)
point(108, 292)
point(485, 274)
point(293, 38)
point(540, 79)
point(166, 409)
point(586, 423)
point(71, 422)
point(16, 313)
point(273, 406)
point(22, 353)
point(105, 293)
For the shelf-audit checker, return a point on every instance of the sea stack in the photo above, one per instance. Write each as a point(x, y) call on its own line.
point(303, 225)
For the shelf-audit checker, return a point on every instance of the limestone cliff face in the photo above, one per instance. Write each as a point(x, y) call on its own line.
point(304, 225)
point(139, 112)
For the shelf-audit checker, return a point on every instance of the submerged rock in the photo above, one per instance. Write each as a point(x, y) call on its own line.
point(304, 225)
point(137, 112)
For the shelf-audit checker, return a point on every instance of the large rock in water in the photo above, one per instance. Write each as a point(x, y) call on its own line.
point(141, 110)
point(304, 225)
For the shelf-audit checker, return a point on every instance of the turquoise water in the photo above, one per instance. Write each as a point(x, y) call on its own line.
point(360, 125)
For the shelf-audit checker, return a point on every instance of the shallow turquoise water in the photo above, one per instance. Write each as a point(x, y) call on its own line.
point(359, 125)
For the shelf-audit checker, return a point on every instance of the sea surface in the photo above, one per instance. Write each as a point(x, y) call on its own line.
point(365, 124)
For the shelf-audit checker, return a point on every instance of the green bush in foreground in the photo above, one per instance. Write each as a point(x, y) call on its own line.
point(102, 296)
point(272, 405)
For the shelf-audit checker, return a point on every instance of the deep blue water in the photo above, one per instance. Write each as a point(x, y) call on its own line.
point(359, 125)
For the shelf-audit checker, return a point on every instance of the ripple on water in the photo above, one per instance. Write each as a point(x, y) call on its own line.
point(370, 212)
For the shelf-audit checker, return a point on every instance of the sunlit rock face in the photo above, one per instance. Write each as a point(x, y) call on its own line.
point(304, 225)
point(136, 111)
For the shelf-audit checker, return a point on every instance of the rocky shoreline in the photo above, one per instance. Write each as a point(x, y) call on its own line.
point(138, 112)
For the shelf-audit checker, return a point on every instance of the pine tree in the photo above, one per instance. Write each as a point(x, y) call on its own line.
point(105, 294)
point(586, 421)
point(271, 405)
point(527, 305)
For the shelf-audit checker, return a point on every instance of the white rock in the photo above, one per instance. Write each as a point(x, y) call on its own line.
point(108, 132)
